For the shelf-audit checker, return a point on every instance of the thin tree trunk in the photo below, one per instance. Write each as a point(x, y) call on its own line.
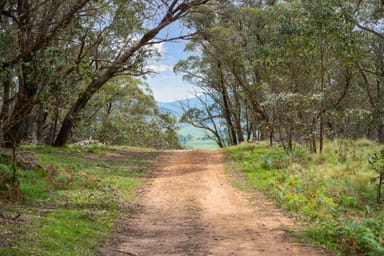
point(28, 135)
point(175, 11)
point(380, 131)
point(379, 101)
point(227, 109)
point(381, 178)
point(6, 99)
point(42, 117)
point(321, 138)
point(290, 135)
point(53, 128)
point(313, 135)
point(14, 128)
point(256, 132)
point(249, 125)
point(239, 130)
point(375, 103)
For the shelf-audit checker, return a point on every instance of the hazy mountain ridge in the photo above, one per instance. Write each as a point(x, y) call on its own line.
point(173, 108)
point(176, 107)
point(190, 136)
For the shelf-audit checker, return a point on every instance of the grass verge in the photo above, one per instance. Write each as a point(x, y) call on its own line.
point(333, 193)
point(71, 208)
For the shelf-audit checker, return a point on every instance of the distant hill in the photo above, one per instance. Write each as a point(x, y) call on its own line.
point(190, 136)
point(175, 107)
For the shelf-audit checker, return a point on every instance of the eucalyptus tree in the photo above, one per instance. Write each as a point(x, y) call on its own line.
point(131, 56)
point(208, 74)
point(368, 18)
point(32, 25)
point(335, 49)
point(234, 44)
point(293, 63)
point(222, 68)
point(56, 49)
point(124, 112)
point(366, 15)
point(207, 117)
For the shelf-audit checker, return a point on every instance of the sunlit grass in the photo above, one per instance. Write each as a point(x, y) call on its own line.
point(71, 209)
point(332, 192)
point(198, 138)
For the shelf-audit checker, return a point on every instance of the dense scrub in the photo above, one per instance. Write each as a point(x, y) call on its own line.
point(69, 208)
point(334, 193)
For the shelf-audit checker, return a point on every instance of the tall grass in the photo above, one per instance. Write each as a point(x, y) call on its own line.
point(333, 192)
point(71, 208)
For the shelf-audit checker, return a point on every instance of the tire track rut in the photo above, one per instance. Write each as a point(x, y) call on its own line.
point(190, 208)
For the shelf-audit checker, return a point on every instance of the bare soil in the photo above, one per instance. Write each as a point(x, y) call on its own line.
point(190, 208)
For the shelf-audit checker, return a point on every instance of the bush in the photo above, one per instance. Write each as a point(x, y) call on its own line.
point(331, 194)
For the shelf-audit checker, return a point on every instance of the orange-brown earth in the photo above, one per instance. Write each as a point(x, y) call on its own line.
point(190, 208)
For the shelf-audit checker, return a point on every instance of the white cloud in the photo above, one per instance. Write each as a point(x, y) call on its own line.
point(160, 68)
point(170, 87)
point(160, 48)
point(166, 85)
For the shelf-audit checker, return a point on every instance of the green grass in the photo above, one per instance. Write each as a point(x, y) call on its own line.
point(332, 193)
point(71, 209)
point(201, 144)
point(198, 138)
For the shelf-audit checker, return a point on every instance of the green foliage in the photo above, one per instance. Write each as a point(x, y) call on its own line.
point(67, 56)
point(332, 195)
point(361, 237)
point(377, 163)
point(289, 71)
point(124, 113)
point(71, 208)
point(9, 181)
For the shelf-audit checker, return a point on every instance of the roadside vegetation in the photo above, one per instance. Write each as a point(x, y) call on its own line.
point(296, 72)
point(333, 193)
point(70, 207)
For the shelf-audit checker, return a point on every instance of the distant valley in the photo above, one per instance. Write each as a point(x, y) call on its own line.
point(190, 136)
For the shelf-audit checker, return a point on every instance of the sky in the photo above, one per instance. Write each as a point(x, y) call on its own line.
point(165, 84)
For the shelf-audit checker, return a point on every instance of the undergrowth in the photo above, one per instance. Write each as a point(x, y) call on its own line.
point(333, 192)
point(69, 208)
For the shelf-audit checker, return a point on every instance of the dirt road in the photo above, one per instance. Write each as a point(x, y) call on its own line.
point(190, 208)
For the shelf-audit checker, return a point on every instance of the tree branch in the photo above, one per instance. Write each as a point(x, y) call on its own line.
point(45, 38)
point(372, 31)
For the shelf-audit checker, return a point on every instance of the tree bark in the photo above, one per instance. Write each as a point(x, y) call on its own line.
point(375, 102)
point(15, 126)
point(45, 34)
point(313, 147)
point(173, 13)
point(6, 99)
point(53, 128)
point(380, 131)
point(28, 133)
point(81, 102)
point(41, 119)
point(30, 42)
point(240, 135)
point(322, 74)
point(227, 108)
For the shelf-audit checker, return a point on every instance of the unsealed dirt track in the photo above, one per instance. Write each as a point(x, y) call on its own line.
point(190, 208)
